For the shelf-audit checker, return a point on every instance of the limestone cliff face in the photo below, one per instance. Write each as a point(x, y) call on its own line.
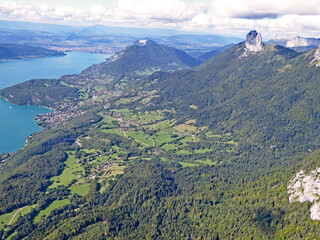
point(254, 41)
point(316, 59)
point(302, 42)
point(253, 44)
point(317, 56)
point(306, 187)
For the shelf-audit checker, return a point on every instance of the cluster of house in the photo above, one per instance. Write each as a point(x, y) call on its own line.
point(53, 119)
point(129, 125)
point(107, 95)
point(2, 163)
point(101, 168)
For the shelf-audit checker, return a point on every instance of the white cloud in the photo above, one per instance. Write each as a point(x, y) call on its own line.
point(175, 10)
point(256, 8)
point(97, 9)
point(233, 17)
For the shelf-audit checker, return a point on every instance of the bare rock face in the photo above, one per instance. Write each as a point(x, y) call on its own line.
point(254, 41)
point(302, 42)
point(306, 187)
point(316, 58)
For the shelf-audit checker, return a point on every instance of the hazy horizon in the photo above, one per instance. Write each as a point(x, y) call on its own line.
point(229, 17)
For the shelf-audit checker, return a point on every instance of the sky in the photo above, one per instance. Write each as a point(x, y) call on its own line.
point(226, 17)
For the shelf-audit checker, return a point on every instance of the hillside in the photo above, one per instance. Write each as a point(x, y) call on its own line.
point(207, 55)
point(17, 51)
point(145, 57)
point(226, 150)
point(268, 96)
point(40, 92)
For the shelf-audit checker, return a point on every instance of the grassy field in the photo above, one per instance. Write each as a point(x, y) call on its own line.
point(161, 126)
point(122, 101)
point(185, 127)
point(162, 137)
point(89, 150)
point(103, 158)
point(185, 140)
point(191, 121)
point(70, 172)
point(211, 135)
point(120, 110)
point(182, 152)
point(168, 147)
point(100, 87)
point(56, 204)
point(108, 122)
point(149, 117)
point(140, 137)
point(207, 161)
point(81, 190)
point(6, 218)
point(186, 164)
point(111, 174)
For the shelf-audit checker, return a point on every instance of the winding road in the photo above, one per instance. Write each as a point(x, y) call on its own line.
point(13, 218)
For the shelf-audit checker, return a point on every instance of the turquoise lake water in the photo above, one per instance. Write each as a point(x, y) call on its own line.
point(17, 122)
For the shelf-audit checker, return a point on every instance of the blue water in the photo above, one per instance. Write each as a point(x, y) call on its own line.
point(17, 122)
point(17, 71)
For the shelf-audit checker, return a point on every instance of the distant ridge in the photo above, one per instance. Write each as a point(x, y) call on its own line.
point(18, 51)
point(145, 57)
point(297, 43)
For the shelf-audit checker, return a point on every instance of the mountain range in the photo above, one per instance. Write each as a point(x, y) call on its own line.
point(105, 39)
point(299, 44)
point(228, 149)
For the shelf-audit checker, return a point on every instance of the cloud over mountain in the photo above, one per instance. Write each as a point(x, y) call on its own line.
point(227, 17)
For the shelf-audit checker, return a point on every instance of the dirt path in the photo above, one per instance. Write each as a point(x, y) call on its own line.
point(16, 214)
point(13, 217)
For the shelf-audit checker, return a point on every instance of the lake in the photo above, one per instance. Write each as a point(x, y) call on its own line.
point(17, 122)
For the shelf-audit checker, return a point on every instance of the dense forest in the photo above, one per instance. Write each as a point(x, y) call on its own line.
point(201, 153)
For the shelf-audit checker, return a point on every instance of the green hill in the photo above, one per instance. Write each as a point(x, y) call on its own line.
point(269, 96)
point(145, 57)
point(17, 51)
point(40, 92)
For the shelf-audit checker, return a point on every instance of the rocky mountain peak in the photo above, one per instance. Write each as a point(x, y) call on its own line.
point(144, 42)
point(254, 41)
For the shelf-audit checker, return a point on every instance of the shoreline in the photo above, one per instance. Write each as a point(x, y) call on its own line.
point(34, 119)
point(31, 57)
point(52, 109)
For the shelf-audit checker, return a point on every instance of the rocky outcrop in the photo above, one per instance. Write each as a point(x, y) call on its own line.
point(299, 44)
point(253, 44)
point(306, 187)
point(316, 58)
point(254, 41)
point(144, 42)
point(302, 42)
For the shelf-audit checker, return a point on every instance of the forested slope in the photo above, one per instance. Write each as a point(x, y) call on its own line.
point(269, 97)
point(17, 51)
point(205, 153)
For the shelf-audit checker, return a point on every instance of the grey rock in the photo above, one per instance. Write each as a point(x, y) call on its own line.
point(254, 41)
point(316, 58)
